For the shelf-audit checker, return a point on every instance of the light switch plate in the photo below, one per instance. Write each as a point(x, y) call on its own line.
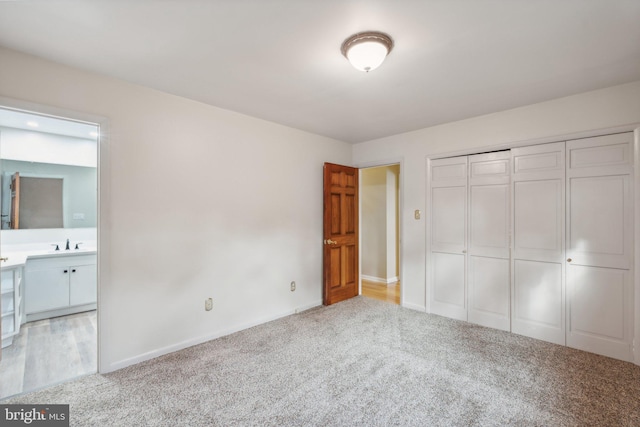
point(417, 214)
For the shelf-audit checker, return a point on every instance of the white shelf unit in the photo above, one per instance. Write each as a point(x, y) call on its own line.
point(11, 300)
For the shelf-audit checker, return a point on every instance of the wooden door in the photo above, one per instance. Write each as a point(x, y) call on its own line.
point(488, 278)
point(600, 244)
point(15, 201)
point(340, 233)
point(448, 194)
point(537, 271)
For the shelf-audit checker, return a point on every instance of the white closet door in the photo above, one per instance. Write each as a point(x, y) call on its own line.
point(489, 234)
point(538, 287)
point(599, 245)
point(448, 187)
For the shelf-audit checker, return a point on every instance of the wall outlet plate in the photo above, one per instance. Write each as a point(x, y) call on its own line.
point(208, 304)
point(417, 214)
point(293, 286)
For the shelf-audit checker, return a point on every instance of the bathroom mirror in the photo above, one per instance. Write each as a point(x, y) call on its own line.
point(48, 195)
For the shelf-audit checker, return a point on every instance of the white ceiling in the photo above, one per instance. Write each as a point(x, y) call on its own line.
point(280, 59)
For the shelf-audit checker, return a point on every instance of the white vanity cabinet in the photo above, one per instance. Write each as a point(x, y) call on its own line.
point(60, 285)
point(11, 299)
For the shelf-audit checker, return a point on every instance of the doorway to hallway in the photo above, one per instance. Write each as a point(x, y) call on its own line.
point(380, 232)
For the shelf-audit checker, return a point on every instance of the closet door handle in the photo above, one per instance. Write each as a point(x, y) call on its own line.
point(73, 271)
point(464, 251)
point(65, 271)
point(568, 259)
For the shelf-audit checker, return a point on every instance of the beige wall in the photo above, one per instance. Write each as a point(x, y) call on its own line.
point(204, 202)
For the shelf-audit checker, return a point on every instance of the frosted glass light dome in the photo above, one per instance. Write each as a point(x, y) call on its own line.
point(367, 51)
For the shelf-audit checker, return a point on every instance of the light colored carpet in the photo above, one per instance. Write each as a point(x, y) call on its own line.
point(360, 363)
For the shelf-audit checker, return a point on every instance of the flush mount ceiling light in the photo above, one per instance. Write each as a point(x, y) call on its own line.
point(367, 50)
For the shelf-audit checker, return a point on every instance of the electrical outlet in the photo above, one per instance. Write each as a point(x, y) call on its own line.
point(208, 304)
point(417, 214)
point(293, 286)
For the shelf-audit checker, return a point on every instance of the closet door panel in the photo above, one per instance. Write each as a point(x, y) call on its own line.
point(489, 220)
point(538, 300)
point(599, 211)
point(449, 172)
point(602, 155)
point(491, 168)
point(600, 245)
point(448, 196)
point(449, 288)
point(600, 305)
point(538, 219)
point(449, 206)
point(489, 292)
point(538, 159)
point(488, 244)
point(538, 281)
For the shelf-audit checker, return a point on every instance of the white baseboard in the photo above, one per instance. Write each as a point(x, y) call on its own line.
point(389, 281)
point(308, 307)
point(199, 340)
point(416, 307)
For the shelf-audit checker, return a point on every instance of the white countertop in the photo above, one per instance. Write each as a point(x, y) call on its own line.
point(18, 258)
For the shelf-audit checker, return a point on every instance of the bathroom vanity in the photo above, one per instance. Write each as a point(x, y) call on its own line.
point(59, 284)
point(40, 284)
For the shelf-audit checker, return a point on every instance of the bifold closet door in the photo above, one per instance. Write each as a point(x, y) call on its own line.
point(448, 194)
point(488, 278)
point(538, 286)
point(599, 245)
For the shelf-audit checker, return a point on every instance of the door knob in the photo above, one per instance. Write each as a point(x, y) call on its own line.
point(330, 242)
point(568, 259)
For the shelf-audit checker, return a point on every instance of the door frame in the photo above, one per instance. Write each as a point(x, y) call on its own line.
point(382, 163)
point(636, 243)
point(103, 201)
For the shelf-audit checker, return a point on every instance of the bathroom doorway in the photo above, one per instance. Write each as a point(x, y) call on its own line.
point(49, 246)
point(380, 233)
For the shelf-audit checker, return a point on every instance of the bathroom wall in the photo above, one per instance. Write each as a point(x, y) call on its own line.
point(197, 202)
point(31, 146)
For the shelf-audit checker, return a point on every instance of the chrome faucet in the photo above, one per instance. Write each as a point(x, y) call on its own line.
point(67, 248)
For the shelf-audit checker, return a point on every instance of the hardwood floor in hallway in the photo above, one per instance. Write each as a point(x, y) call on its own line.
point(382, 292)
point(49, 351)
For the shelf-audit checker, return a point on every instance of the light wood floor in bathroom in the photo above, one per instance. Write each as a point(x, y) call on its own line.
point(49, 351)
point(382, 292)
